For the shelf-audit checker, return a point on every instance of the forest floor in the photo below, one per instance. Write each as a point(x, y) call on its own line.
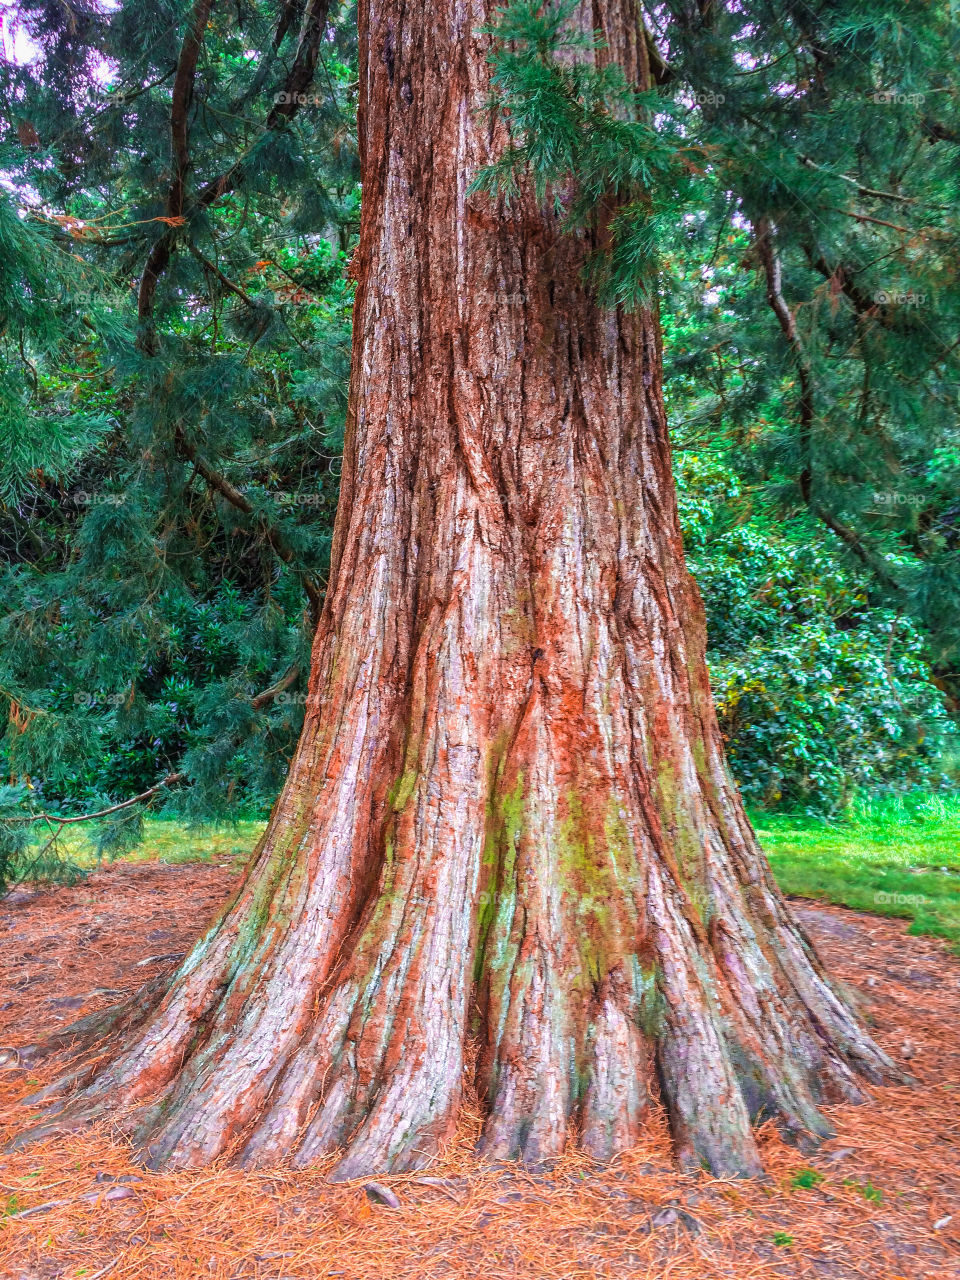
point(880, 1200)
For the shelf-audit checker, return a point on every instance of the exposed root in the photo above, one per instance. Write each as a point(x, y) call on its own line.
point(263, 1047)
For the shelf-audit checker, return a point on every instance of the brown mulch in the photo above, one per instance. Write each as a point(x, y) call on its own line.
point(888, 1204)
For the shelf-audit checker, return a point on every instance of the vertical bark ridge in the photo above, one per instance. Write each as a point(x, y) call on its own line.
point(616, 1097)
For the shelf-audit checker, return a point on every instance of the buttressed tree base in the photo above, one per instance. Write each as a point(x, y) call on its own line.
point(509, 819)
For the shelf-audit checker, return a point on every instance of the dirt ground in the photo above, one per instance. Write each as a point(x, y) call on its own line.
point(880, 1200)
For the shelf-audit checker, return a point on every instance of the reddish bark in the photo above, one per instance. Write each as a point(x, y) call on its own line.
point(509, 815)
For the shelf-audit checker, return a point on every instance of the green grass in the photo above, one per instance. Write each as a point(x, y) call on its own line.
point(865, 1189)
point(892, 858)
point(173, 842)
point(806, 1179)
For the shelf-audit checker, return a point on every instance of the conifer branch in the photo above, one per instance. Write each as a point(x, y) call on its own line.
point(862, 304)
point(287, 16)
point(871, 193)
point(227, 283)
point(232, 494)
point(289, 98)
point(159, 256)
point(769, 260)
point(264, 699)
point(288, 101)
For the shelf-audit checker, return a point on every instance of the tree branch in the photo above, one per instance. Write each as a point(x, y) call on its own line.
point(297, 82)
point(159, 256)
point(227, 283)
point(290, 11)
point(844, 278)
point(763, 234)
point(660, 70)
point(233, 495)
point(168, 781)
point(283, 684)
point(769, 260)
point(869, 192)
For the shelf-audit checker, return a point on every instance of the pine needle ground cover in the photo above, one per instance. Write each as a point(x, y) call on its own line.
point(878, 1200)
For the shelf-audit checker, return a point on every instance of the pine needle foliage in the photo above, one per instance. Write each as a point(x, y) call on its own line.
point(583, 135)
point(179, 207)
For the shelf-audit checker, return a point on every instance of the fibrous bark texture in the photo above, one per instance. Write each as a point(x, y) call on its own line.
point(509, 817)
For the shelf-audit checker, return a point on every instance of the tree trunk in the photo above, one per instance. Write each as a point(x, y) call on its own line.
point(509, 819)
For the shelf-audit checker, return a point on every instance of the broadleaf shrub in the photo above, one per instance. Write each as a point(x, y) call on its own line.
point(821, 695)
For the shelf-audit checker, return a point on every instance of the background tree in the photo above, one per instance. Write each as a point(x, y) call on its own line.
point(176, 336)
point(829, 138)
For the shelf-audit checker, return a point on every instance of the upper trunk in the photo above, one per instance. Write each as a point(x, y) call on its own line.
point(509, 815)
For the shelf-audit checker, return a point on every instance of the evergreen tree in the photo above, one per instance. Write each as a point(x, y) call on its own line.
point(181, 202)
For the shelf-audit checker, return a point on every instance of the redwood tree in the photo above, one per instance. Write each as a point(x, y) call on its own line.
point(509, 821)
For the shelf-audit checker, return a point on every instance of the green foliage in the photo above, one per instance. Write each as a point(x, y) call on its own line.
point(33, 274)
point(820, 692)
point(169, 457)
point(865, 1189)
point(11, 1205)
point(806, 1179)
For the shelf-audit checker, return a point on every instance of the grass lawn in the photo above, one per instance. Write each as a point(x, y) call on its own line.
point(169, 841)
point(891, 858)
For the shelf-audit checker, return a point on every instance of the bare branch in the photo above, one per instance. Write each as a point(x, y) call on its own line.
point(170, 780)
